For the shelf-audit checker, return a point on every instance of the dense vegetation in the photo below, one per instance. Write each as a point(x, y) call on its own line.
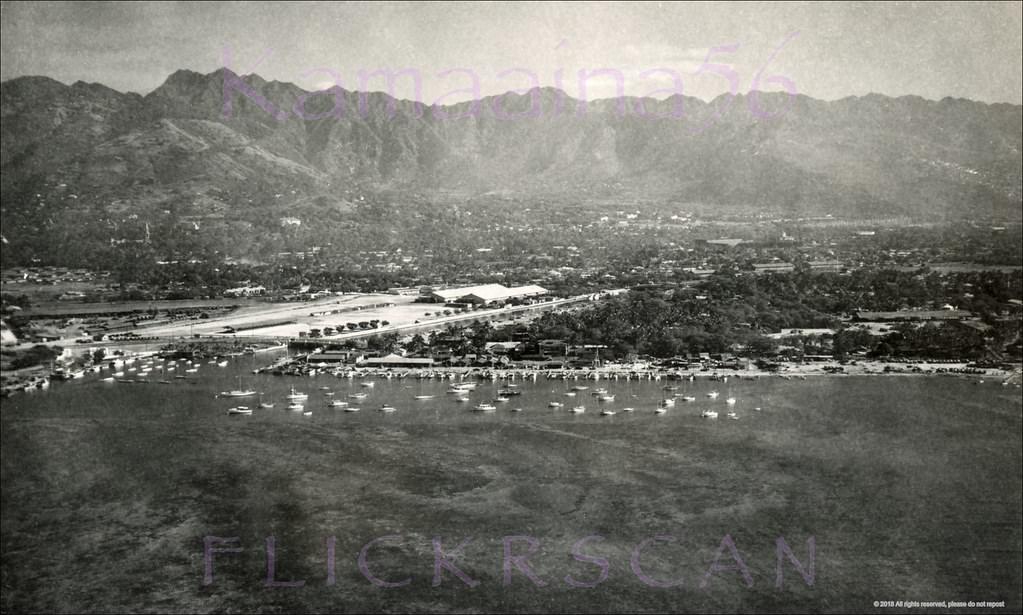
point(733, 312)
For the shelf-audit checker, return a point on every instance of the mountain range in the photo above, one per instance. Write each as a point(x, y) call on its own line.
point(89, 149)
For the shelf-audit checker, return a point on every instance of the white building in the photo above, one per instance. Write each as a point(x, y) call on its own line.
point(486, 293)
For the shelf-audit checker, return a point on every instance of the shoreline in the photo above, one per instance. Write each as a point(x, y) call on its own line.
point(32, 379)
point(307, 366)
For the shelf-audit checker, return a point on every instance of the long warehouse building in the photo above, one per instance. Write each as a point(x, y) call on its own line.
point(486, 293)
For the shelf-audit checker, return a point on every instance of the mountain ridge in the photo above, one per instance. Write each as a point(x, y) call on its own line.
point(257, 76)
point(176, 150)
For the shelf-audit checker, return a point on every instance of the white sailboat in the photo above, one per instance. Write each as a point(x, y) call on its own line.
point(239, 392)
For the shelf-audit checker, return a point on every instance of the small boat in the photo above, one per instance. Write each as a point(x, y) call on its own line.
point(368, 385)
point(351, 408)
point(422, 397)
point(660, 410)
point(629, 409)
point(579, 388)
point(461, 398)
point(485, 407)
point(222, 364)
point(387, 408)
point(712, 394)
point(111, 379)
point(165, 382)
point(668, 403)
point(266, 406)
point(239, 410)
point(569, 394)
point(688, 398)
point(329, 394)
point(296, 396)
point(606, 398)
point(757, 408)
point(324, 388)
point(709, 414)
point(579, 409)
point(733, 416)
point(307, 413)
point(296, 407)
point(358, 396)
point(516, 409)
point(238, 393)
point(501, 399)
point(730, 401)
point(607, 413)
point(338, 404)
point(192, 371)
point(555, 404)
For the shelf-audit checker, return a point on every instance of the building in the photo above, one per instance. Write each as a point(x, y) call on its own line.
point(553, 347)
point(486, 293)
point(448, 295)
point(503, 348)
point(721, 243)
point(773, 267)
point(800, 333)
point(396, 361)
point(503, 294)
point(336, 356)
point(831, 266)
point(245, 291)
point(914, 315)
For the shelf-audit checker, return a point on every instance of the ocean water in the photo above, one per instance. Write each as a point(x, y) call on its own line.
point(908, 488)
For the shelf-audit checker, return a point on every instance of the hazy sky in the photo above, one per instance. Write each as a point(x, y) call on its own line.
point(833, 50)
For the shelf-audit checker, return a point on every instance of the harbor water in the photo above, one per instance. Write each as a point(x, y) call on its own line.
point(896, 487)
